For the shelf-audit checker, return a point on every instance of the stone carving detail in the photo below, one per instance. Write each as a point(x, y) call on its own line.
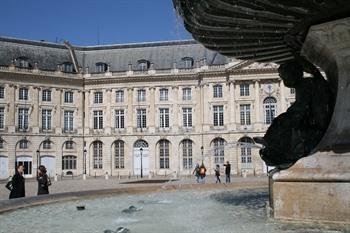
point(295, 133)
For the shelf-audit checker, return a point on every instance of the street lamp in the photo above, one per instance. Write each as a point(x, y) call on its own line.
point(141, 149)
point(37, 160)
point(84, 158)
point(202, 150)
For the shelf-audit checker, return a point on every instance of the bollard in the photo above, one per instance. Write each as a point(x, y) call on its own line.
point(95, 175)
point(106, 176)
point(56, 177)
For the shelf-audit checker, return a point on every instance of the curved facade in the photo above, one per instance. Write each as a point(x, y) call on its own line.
point(114, 109)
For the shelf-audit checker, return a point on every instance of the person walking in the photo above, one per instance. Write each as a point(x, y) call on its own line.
point(17, 184)
point(217, 173)
point(196, 172)
point(228, 172)
point(43, 181)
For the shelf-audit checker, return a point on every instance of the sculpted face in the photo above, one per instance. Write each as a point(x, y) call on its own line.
point(291, 73)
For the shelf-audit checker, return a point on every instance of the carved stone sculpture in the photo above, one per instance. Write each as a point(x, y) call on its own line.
point(295, 133)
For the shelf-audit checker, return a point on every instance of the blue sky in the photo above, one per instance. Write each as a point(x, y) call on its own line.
point(91, 22)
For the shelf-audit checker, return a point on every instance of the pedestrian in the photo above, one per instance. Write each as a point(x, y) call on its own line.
point(17, 184)
point(43, 181)
point(228, 172)
point(202, 171)
point(196, 172)
point(217, 173)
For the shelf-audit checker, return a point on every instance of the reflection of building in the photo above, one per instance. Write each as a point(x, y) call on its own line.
point(168, 98)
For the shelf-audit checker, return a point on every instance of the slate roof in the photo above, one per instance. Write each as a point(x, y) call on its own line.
point(161, 54)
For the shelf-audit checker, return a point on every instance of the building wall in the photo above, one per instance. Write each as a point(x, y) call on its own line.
point(202, 133)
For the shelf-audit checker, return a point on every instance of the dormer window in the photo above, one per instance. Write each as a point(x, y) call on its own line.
point(22, 62)
point(67, 67)
point(187, 62)
point(144, 65)
point(101, 67)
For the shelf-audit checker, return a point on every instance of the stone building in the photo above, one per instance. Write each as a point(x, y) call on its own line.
point(162, 106)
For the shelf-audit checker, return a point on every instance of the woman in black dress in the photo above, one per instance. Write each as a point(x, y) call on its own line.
point(43, 181)
point(16, 185)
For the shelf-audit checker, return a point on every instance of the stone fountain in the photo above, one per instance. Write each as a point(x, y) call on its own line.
point(317, 186)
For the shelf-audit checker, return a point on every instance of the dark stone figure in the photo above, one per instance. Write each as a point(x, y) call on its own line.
point(295, 133)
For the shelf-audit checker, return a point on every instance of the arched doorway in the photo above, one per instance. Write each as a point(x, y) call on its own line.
point(141, 153)
point(50, 164)
point(26, 161)
point(3, 167)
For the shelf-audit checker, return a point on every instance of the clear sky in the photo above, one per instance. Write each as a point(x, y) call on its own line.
point(91, 22)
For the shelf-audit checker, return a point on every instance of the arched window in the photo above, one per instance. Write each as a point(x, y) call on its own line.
point(119, 154)
point(23, 144)
point(144, 64)
point(187, 62)
point(217, 91)
point(69, 145)
point(219, 150)
point(140, 143)
point(69, 162)
point(101, 67)
point(270, 107)
point(163, 154)
point(246, 152)
point(187, 161)
point(97, 155)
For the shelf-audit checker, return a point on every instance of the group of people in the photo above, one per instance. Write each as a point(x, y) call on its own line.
point(17, 184)
point(200, 172)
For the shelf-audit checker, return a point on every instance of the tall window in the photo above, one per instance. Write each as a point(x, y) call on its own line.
point(46, 95)
point(219, 150)
point(23, 144)
point(164, 154)
point(119, 154)
point(69, 162)
point(245, 114)
point(22, 62)
point(217, 89)
point(292, 91)
point(218, 115)
point(119, 96)
point(98, 119)
point(68, 97)
point(141, 95)
point(144, 65)
point(97, 155)
point(187, 117)
point(187, 161)
point(163, 94)
point(69, 145)
point(141, 118)
point(68, 120)
point(244, 89)
point(23, 93)
point(46, 119)
point(164, 117)
point(186, 94)
point(246, 152)
point(119, 119)
point(270, 106)
point(23, 118)
point(2, 92)
point(98, 97)
point(2, 118)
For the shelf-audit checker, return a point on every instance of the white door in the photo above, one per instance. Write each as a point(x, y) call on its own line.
point(50, 163)
point(3, 167)
point(27, 163)
point(137, 161)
